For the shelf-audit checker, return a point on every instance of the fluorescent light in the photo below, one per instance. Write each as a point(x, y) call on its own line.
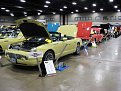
point(77, 10)
point(65, 7)
point(110, 0)
point(61, 9)
point(118, 10)
point(85, 8)
point(115, 6)
point(47, 2)
point(94, 5)
point(25, 12)
point(93, 11)
point(25, 15)
point(101, 9)
point(2, 8)
point(40, 10)
point(19, 7)
point(11, 14)
point(39, 13)
point(72, 12)
point(74, 3)
point(54, 13)
point(22, 1)
point(7, 10)
point(45, 6)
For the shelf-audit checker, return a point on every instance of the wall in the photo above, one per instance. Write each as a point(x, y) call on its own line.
point(7, 20)
point(96, 18)
point(48, 18)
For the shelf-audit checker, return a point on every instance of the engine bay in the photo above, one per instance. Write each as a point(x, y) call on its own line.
point(28, 44)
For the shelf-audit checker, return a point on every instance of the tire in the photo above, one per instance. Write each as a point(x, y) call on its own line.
point(47, 56)
point(78, 49)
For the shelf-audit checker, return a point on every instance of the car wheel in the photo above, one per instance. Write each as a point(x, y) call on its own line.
point(78, 49)
point(47, 56)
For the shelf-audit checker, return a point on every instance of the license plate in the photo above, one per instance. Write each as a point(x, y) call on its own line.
point(13, 60)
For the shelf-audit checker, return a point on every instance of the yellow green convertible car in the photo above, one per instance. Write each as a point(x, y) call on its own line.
point(9, 37)
point(38, 39)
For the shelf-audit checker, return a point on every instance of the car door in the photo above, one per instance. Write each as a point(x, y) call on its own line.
point(71, 46)
point(59, 48)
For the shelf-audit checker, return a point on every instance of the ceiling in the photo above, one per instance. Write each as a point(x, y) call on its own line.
point(32, 7)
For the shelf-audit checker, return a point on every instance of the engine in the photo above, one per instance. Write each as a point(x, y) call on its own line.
point(28, 44)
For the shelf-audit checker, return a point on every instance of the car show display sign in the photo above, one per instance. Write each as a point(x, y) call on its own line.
point(50, 68)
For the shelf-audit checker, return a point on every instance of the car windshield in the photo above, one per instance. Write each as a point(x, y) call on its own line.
point(55, 36)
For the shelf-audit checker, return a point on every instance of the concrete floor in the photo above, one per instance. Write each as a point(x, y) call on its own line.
point(99, 70)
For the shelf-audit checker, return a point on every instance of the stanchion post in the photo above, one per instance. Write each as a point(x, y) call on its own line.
point(1, 65)
point(40, 70)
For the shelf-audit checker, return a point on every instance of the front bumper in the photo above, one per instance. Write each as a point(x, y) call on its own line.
point(19, 59)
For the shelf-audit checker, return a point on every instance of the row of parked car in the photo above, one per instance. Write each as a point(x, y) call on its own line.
point(32, 36)
point(97, 33)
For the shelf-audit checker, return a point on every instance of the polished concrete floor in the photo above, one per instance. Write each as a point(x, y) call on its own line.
point(97, 70)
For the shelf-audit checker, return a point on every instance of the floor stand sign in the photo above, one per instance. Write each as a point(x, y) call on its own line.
point(50, 68)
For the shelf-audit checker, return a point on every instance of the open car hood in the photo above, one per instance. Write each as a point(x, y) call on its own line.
point(69, 30)
point(32, 28)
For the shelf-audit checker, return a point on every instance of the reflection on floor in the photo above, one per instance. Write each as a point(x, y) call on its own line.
point(100, 70)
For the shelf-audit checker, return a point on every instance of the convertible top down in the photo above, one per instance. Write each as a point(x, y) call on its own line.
point(40, 40)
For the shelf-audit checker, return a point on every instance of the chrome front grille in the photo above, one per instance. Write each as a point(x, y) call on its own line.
point(16, 56)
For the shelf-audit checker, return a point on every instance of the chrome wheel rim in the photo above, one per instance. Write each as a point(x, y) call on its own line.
point(49, 56)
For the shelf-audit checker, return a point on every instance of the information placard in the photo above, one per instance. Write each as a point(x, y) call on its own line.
point(50, 68)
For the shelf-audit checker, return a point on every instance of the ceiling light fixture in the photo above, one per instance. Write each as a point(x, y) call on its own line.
point(118, 10)
point(61, 9)
point(93, 11)
point(11, 14)
point(54, 13)
point(77, 10)
point(94, 5)
point(19, 7)
point(65, 7)
point(101, 9)
point(39, 13)
point(45, 6)
point(115, 6)
point(25, 15)
point(74, 3)
point(47, 2)
point(7, 10)
point(72, 12)
point(25, 12)
point(85, 8)
point(2, 8)
point(110, 0)
point(22, 1)
point(40, 10)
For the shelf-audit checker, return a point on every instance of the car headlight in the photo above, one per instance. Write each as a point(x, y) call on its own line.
point(33, 49)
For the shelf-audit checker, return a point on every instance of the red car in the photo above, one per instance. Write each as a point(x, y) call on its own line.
point(88, 32)
point(96, 34)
